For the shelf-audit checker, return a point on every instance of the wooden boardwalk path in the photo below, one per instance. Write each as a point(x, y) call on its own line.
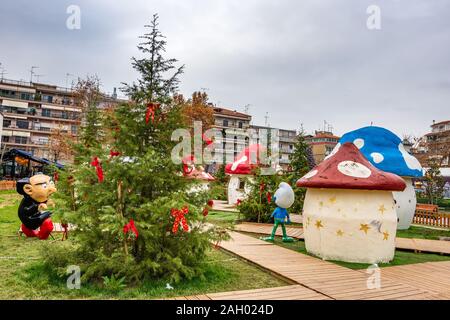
point(318, 279)
point(417, 245)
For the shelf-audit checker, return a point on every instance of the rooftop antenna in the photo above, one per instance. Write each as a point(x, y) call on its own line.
point(2, 72)
point(38, 76)
point(266, 117)
point(32, 73)
point(246, 108)
point(67, 78)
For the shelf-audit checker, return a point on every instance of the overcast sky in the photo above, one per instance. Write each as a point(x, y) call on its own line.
point(301, 61)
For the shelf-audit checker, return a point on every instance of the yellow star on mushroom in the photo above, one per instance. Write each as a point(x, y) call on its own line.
point(319, 224)
point(382, 209)
point(339, 233)
point(385, 235)
point(364, 227)
point(333, 199)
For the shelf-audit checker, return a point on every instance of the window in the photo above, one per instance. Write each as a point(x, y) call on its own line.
point(291, 147)
point(5, 139)
point(21, 140)
point(74, 129)
point(25, 96)
point(22, 124)
point(6, 123)
point(240, 124)
point(225, 123)
point(241, 184)
point(46, 113)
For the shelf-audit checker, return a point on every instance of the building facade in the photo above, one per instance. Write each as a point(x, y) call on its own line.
point(285, 140)
point(321, 143)
point(31, 111)
point(232, 127)
point(434, 145)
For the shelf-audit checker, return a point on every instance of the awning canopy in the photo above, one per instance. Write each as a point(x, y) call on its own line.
point(11, 154)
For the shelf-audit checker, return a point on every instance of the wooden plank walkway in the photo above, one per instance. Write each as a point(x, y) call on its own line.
point(417, 245)
point(321, 280)
point(326, 278)
point(293, 292)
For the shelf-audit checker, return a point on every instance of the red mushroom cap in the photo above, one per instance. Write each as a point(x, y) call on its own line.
point(246, 161)
point(349, 169)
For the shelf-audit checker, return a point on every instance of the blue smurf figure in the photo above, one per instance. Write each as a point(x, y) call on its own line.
point(284, 199)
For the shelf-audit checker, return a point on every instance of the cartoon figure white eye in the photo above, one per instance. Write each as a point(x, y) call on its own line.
point(44, 185)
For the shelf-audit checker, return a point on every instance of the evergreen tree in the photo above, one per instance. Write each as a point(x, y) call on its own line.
point(434, 183)
point(141, 185)
point(302, 161)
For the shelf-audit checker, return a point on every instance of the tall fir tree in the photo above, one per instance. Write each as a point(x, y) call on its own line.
point(141, 185)
point(301, 161)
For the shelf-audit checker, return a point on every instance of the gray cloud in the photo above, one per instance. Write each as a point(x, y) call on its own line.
point(301, 61)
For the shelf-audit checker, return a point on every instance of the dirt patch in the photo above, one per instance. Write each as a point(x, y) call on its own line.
point(9, 199)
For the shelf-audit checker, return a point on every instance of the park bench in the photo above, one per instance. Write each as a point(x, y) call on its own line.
point(428, 214)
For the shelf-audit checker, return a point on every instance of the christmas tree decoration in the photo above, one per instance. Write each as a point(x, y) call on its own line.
point(130, 227)
point(113, 153)
point(205, 211)
point(284, 198)
point(198, 174)
point(269, 197)
point(33, 209)
point(180, 219)
point(151, 110)
point(98, 168)
point(349, 213)
point(143, 186)
point(386, 152)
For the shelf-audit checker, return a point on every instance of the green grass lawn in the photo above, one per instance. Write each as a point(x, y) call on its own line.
point(24, 276)
point(400, 258)
point(223, 218)
point(423, 233)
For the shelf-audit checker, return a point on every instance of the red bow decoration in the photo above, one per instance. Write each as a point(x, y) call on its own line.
point(269, 197)
point(98, 167)
point(179, 216)
point(188, 164)
point(238, 202)
point(130, 226)
point(210, 203)
point(56, 176)
point(151, 109)
point(205, 212)
point(261, 187)
point(113, 153)
point(207, 140)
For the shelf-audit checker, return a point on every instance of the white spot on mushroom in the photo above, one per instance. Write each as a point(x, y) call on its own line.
point(377, 157)
point(411, 161)
point(333, 152)
point(237, 163)
point(310, 174)
point(354, 169)
point(359, 143)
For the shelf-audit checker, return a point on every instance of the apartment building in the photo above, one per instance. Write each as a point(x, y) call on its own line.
point(322, 143)
point(285, 140)
point(434, 145)
point(233, 127)
point(32, 110)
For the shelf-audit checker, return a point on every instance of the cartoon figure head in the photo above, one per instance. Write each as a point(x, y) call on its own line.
point(39, 187)
point(284, 196)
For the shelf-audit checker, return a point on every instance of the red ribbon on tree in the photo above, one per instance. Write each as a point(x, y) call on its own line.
point(261, 188)
point(238, 202)
point(56, 176)
point(205, 211)
point(210, 203)
point(130, 227)
point(98, 167)
point(151, 109)
point(207, 140)
point(269, 197)
point(180, 218)
point(113, 153)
